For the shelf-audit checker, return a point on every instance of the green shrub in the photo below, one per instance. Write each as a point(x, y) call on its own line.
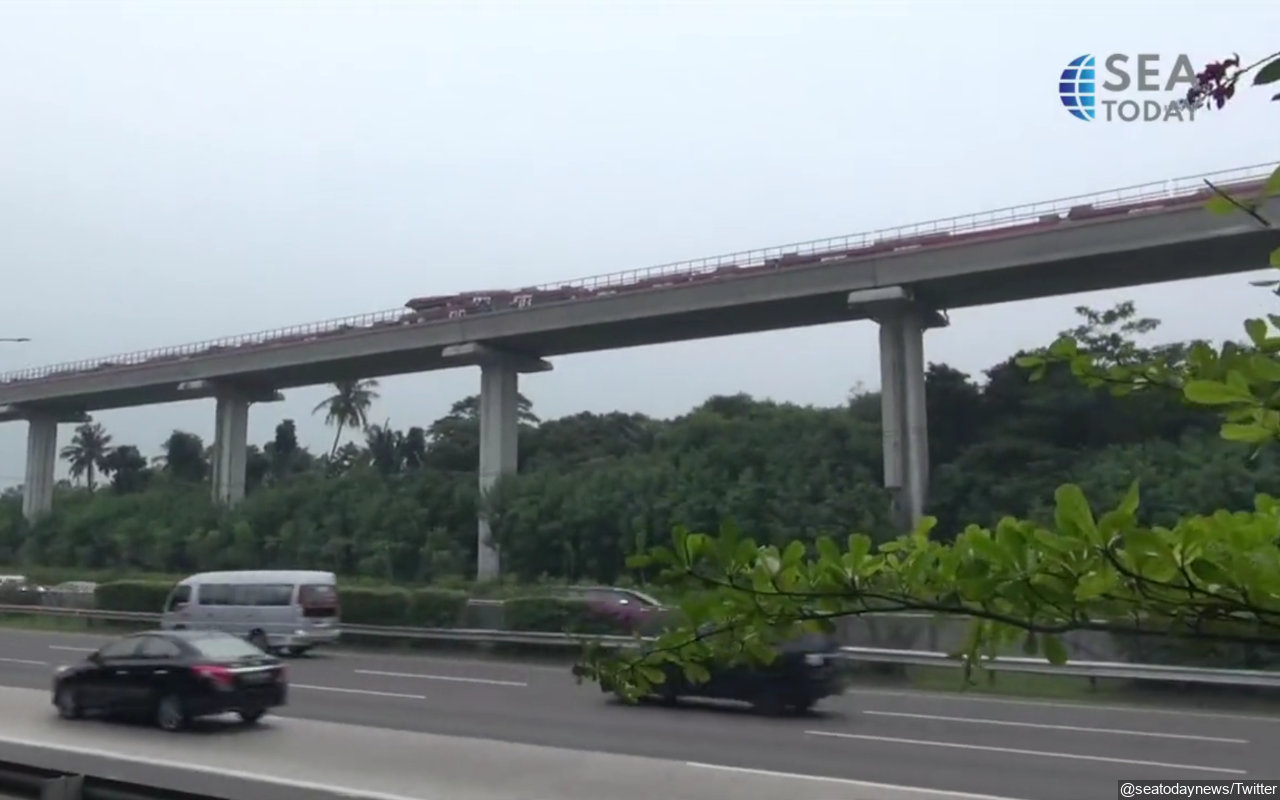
point(436, 608)
point(557, 614)
point(363, 605)
point(132, 595)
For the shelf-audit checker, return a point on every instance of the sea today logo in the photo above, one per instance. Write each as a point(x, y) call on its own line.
point(1138, 88)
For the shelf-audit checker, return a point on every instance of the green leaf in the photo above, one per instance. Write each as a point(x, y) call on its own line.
point(1269, 73)
point(1214, 393)
point(1029, 361)
point(696, 545)
point(1093, 586)
point(1239, 384)
point(1073, 514)
point(794, 553)
point(859, 547)
point(1221, 204)
point(1054, 650)
point(1275, 257)
point(1257, 330)
point(1250, 434)
point(1265, 367)
point(1209, 572)
point(827, 550)
point(696, 673)
point(1272, 186)
point(1129, 505)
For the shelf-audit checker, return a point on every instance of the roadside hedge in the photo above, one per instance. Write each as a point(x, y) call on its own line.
point(422, 608)
point(132, 595)
point(557, 614)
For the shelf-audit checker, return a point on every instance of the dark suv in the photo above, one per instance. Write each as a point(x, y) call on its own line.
point(805, 670)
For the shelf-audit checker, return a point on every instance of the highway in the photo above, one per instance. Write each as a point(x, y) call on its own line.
point(351, 712)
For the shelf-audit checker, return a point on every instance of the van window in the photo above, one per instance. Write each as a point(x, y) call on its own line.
point(246, 594)
point(181, 596)
point(318, 600)
point(215, 594)
point(263, 594)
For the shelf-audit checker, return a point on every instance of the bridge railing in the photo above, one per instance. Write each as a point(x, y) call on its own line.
point(1084, 669)
point(966, 223)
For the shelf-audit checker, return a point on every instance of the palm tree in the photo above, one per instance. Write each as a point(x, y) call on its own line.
point(348, 407)
point(88, 452)
point(384, 446)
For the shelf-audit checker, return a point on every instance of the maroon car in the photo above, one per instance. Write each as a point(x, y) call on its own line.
point(633, 609)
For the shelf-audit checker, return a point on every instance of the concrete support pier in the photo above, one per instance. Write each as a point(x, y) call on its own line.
point(904, 417)
point(231, 438)
point(499, 431)
point(42, 458)
point(230, 449)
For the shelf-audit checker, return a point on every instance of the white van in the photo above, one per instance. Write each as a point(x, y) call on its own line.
point(289, 611)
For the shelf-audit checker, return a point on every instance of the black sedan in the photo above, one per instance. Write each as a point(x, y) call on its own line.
point(172, 677)
point(804, 672)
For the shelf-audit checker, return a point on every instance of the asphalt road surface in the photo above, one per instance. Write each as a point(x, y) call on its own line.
point(999, 747)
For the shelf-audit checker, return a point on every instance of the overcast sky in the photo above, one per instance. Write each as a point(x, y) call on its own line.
point(171, 172)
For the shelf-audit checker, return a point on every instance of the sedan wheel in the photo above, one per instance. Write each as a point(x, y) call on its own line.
point(68, 703)
point(170, 715)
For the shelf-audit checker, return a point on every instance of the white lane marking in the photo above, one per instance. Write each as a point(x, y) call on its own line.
point(1134, 708)
point(72, 649)
point(26, 661)
point(453, 678)
point(1021, 752)
point(893, 787)
point(1047, 726)
point(496, 663)
point(356, 691)
point(221, 772)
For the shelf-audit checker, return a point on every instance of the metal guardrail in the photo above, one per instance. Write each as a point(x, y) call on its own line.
point(1082, 669)
point(25, 781)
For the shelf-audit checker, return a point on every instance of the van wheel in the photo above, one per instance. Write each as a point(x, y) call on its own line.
point(259, 640)
point(250, 717)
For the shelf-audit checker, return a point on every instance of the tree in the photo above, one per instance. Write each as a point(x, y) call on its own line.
point(127, 468)
point(87, 452)
point(454, 439)
point(348, 407)
point(385, 447)
point(184, 457)
point(1205, 577)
